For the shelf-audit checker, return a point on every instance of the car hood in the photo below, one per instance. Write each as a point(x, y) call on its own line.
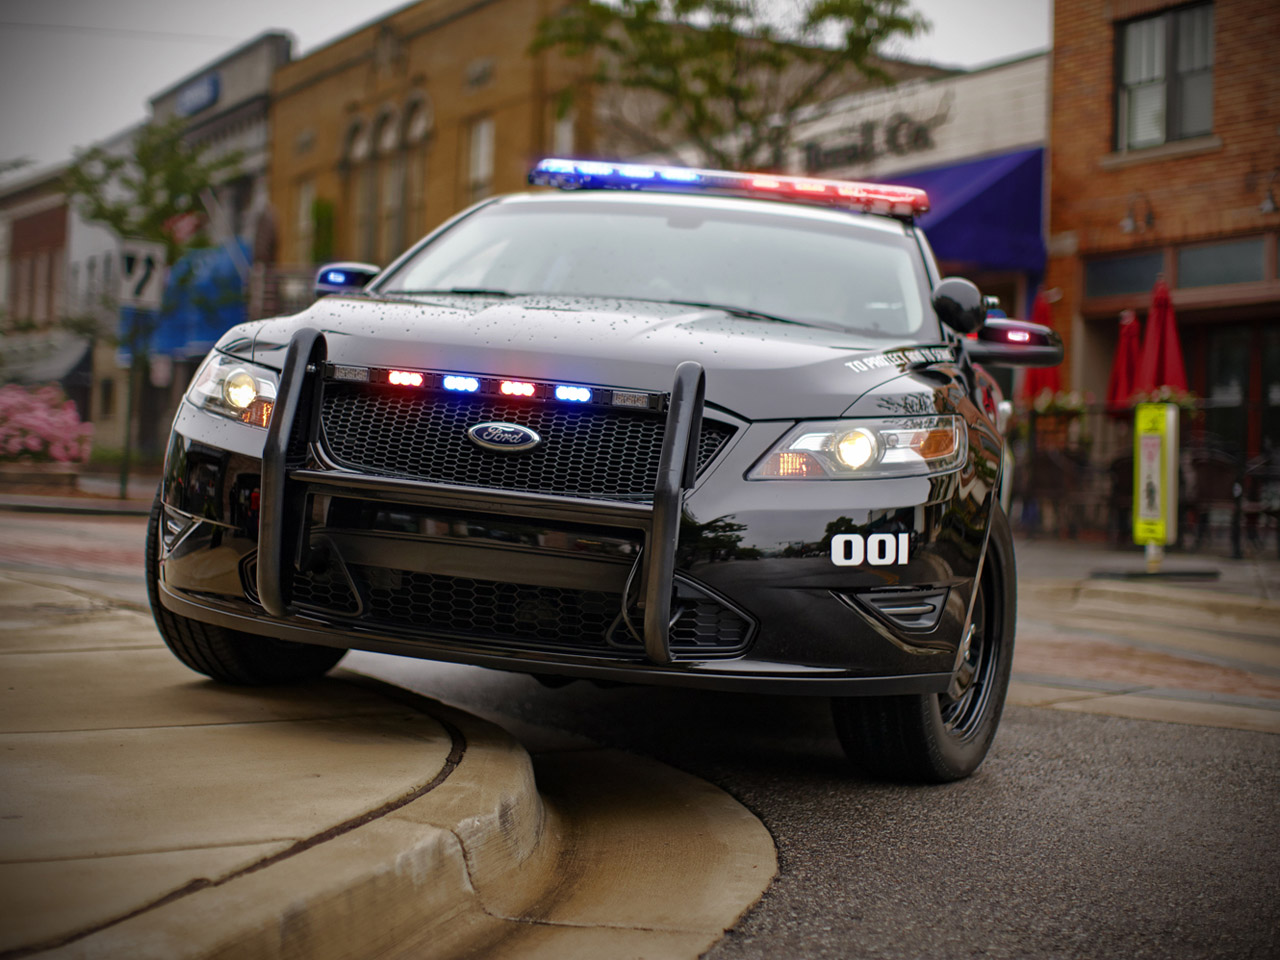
point(758, 369)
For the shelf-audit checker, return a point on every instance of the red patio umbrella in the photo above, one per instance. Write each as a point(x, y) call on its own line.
point(1161, 362)
point(1039, 379)
point(1124, 369)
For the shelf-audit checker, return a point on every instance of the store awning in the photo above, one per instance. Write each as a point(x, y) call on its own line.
point(986, 214)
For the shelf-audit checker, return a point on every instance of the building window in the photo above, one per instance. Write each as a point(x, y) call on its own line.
point(480, 169)
point(562, 131)
point(417, 129)
point(1212, 264)
point(1165, 78)
point(106, 397)
point(305, 221)
point(40, 289)
point(1114, 276)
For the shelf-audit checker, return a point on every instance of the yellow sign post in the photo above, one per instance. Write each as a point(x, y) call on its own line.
point(1155, 479)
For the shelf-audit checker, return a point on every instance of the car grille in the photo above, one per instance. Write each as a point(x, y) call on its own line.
point(586, 451)
point(508, 614)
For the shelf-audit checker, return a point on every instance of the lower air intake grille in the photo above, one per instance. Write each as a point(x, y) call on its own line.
point(585, 451)
point(509, 614)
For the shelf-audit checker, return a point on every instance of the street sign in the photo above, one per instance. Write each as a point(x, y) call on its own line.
point(142, 274)
point(1155, 474)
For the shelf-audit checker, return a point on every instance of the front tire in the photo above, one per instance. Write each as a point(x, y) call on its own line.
point(937, 737)
point(229, 656)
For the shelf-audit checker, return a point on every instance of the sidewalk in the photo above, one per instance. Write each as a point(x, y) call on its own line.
point(148, 813)
point(1199, 652)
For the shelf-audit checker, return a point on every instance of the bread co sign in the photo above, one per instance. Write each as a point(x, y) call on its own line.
point(898, 135)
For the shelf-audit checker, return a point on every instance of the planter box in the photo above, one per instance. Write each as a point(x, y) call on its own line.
point(53, 476)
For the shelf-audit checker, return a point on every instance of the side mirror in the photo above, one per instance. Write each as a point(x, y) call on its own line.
point(959, 304)
point(1015, 343)
point(344, 277)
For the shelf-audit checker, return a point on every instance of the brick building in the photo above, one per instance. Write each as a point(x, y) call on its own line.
point(1165, 152)
point(389, 130)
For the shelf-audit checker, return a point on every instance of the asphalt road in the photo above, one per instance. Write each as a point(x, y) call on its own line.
point(1082, 836)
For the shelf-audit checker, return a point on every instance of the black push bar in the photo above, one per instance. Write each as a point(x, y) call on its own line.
point(677, 467)
point(306, 348)
point(281, 520)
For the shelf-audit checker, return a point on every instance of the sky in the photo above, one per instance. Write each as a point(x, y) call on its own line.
point(73, 72)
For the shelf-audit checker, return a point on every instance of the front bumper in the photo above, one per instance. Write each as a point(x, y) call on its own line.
point(734, 580)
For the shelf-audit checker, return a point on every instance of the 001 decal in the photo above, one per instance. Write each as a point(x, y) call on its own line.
point(878, 550)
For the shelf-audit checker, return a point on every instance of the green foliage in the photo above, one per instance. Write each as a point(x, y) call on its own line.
point(731, 76)
point(322, 236)
point(138, 194)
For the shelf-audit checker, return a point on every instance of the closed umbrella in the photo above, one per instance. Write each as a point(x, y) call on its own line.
point(1161, 362)
point(1124, 368)
point(1039, 379)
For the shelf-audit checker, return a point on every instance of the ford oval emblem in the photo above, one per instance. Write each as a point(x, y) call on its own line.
point(508, 437)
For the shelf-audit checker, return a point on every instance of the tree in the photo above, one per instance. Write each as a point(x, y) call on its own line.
point(728, 78)
point(156, 191)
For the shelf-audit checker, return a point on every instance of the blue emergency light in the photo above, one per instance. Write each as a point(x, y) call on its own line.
point(598, 175)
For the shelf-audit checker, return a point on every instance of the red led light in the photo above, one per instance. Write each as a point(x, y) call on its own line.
point(810, 186)
point(766, 183)
point(517, 388)
point(404, 378)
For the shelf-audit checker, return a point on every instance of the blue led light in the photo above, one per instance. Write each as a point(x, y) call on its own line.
point(575, 394)
point(335, 276)
point(556, 166)
point(679, 174)
point(462, 384)
point(637, 173)
point(596, 169)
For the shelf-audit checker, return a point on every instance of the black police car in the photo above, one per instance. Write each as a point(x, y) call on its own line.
point(663, 425)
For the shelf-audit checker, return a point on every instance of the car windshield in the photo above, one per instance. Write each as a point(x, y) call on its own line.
point(801, 268)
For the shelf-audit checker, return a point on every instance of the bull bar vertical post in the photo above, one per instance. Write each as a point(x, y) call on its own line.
point(677, 467)
point(306, 347)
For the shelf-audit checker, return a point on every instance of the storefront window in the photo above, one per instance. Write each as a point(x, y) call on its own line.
point(1119, 275)
point(1228, 388)
point(1271, 393)
point(1239, 261)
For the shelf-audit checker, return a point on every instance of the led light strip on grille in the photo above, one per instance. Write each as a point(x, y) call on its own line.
point(466, 384)
point(593, 175)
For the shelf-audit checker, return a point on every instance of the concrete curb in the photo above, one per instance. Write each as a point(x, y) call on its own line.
point(1103, 596)
point(85, 506)
point(391, 879)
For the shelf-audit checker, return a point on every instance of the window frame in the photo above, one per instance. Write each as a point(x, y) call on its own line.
point(1173, 80)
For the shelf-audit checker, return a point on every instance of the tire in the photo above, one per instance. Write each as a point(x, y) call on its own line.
point(932, 738)
point(229, 656)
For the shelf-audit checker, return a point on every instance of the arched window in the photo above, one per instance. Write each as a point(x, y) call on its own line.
point(390, 187)
point(361, 190)
point(417, 132)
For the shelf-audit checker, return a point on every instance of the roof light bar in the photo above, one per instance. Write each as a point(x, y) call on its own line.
point(596, 175)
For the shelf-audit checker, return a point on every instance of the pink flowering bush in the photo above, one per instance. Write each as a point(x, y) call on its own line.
point(41, 425)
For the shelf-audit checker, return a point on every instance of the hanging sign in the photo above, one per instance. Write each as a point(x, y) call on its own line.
point(1155, 473)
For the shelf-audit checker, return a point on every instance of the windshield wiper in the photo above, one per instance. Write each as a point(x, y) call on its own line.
point(754, 314)
point(462, 291)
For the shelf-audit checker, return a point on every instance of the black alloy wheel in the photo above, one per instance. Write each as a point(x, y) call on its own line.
point(941, 737)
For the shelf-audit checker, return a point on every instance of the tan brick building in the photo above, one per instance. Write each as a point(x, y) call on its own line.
point(1165, 147)
point(389, 130)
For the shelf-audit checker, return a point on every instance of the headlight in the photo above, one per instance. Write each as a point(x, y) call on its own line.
point(872, 449)
point(232, 388)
